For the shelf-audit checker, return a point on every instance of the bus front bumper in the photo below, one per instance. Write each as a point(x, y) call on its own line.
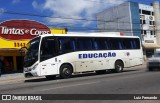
point(30, 73)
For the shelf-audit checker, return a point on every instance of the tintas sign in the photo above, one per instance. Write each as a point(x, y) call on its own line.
point(17, 33)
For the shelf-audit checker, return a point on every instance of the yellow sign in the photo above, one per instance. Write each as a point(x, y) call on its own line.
point(12, 43)
point(58, 31)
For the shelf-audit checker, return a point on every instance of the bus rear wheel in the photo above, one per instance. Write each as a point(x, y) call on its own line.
point(118, 67)
point(65, 71)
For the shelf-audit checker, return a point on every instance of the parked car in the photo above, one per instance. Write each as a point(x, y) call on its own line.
point(154, 62)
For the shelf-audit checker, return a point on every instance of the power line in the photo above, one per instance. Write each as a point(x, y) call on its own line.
point(79, 19)
point(74, 27)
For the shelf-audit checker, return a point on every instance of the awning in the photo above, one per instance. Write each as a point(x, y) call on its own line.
point(150, 46)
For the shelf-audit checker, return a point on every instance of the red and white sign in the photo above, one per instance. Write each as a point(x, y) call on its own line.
point(22, 29)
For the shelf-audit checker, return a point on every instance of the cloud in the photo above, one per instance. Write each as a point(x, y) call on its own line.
point(74, 9)
point(1, 11)
point(15, 1)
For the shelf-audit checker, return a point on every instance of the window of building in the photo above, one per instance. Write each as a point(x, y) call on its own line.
point(154, 33)
point(141, 31)
point(145, 32)
point(151, 22)
point(146, 12)
point(140, 11)
point(141, 21)
point(144, 22)
point(151, 32)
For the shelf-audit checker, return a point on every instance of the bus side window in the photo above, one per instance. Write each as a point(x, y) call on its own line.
point(47, 48)
point(79, 44)
point(87, 44)
point(72, 43)
point(107, 44)
point(100, 44)
point(84, 44)
point(44, 48)
point(57, 46)
point(135, 44)
point(120, 45)
point(115, 44)
point(66, 44)
point(127, 43)
point(96, 45)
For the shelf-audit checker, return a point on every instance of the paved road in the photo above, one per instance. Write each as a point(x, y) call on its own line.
point(135, 80)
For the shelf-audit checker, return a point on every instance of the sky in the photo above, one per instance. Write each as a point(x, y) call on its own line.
point(72, 14)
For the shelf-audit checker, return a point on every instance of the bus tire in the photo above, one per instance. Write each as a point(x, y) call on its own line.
point(66, 71)
point(50, 77)
point(118, 67)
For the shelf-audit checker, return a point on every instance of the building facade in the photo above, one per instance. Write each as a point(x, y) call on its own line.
point(134, 19)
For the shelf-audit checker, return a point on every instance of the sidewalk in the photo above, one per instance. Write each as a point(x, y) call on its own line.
point(14, 78)
point(11, 76)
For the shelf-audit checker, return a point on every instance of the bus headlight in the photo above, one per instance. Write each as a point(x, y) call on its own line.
point(35, 66)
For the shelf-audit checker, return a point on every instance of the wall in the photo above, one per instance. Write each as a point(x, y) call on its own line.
point(117, 19)
point(135, 17)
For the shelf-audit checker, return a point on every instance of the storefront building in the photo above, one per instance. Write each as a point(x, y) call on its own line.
point(15, 34)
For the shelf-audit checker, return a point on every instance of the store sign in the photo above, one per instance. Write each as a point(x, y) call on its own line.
point(17, 33)
point(149, 41)
point(22, 29)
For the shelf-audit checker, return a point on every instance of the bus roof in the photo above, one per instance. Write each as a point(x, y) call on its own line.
point(110, 34)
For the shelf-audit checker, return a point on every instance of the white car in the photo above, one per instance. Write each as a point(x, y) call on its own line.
point(154, 62)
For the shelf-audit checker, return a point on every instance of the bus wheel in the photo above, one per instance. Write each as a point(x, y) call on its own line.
point(51, 77)
point(65, 71)
point(118, 67)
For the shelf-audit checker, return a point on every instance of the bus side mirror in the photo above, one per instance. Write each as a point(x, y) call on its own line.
point(23, 51)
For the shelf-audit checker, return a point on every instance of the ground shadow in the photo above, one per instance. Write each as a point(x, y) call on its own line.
point(36, 80)
point(86, 74)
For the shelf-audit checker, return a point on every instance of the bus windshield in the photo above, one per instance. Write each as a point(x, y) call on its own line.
point(32, 53)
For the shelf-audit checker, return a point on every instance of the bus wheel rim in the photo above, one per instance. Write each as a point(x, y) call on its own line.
point(66, 71)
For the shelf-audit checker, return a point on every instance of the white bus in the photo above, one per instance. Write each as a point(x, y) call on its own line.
point(65, 54)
